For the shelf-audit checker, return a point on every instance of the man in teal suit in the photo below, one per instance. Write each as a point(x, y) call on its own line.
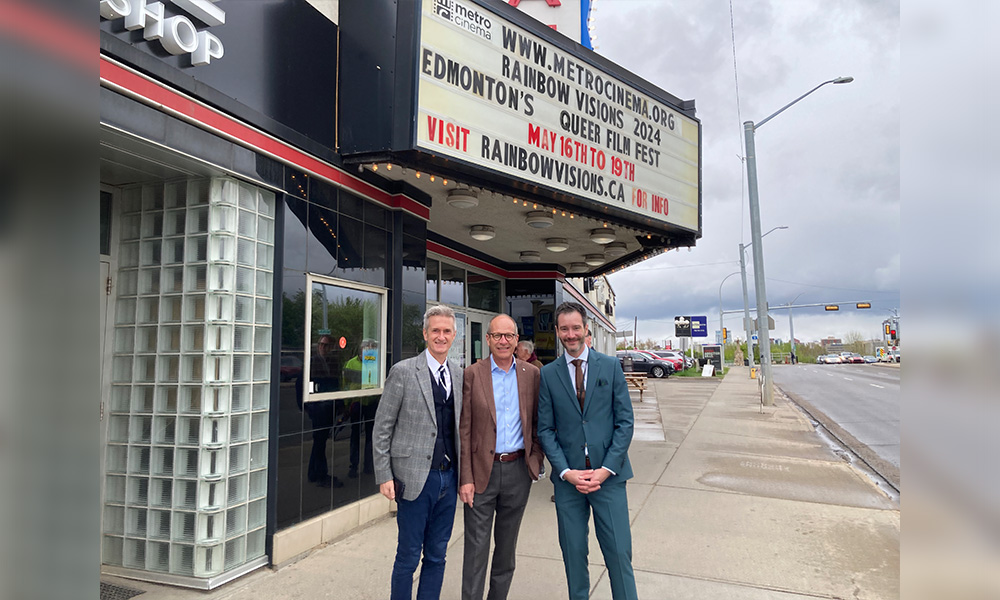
point(585, 427)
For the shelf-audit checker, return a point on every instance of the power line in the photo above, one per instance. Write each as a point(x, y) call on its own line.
point(830, 287)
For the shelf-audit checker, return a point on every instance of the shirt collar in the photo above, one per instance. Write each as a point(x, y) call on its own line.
point(495, 367)
point(584, 356)
point(434, 365)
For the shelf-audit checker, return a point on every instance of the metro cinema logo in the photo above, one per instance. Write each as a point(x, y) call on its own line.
point(177, 34)
point(466, 17)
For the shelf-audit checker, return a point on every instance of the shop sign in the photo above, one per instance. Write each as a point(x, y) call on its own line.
point(492, 94)
point(177, 34)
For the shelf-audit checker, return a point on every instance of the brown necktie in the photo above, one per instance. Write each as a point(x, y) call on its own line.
point(581, 389)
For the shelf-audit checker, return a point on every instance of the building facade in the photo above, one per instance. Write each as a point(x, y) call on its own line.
point(285, 188)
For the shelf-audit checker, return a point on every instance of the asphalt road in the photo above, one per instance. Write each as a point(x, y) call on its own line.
point(861, 399)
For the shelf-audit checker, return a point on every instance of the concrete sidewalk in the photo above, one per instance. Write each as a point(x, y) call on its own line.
point(729, 501)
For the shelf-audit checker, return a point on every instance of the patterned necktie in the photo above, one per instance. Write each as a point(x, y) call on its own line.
point(441, 379)
point(581, 390)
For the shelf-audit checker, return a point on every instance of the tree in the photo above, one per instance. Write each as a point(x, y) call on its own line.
point(855, 342)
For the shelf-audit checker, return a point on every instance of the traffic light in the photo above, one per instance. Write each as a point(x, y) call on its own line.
point(725, 334)
point(892, 334)
point(832, 307)
point(887, 328)
point(863, 305)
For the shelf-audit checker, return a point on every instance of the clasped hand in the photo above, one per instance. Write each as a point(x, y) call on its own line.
point(587, 480)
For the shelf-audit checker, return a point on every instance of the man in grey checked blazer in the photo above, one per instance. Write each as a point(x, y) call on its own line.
point(416, 451)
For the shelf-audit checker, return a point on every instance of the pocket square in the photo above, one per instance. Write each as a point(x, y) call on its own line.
point(602, 382)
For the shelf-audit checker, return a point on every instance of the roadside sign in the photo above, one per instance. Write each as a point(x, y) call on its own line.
point(682, 326)
point(699, 326)
point(753, 337)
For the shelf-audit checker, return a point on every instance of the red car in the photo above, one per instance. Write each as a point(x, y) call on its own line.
point(678, 363)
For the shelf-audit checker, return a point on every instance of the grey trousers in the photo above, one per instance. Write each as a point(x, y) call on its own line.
point(505, 497)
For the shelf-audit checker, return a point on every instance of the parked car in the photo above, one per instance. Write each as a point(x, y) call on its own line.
point(686, 361)
point(829, 359)
point(291, 367)
point(856, 359)
point(869, 359)
point(644, 363)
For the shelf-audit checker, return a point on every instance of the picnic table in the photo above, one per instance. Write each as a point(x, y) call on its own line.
point(636, 380)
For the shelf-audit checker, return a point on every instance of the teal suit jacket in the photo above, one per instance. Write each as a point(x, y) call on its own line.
point(604, 426)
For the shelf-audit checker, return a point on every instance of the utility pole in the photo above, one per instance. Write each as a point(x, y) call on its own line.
point(746, 304)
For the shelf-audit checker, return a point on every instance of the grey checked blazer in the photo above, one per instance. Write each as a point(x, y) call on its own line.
point(406, 424)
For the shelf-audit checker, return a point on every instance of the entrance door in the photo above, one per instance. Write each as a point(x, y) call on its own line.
point(479, 324)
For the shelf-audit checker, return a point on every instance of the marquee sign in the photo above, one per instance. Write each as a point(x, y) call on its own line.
point(492, 94)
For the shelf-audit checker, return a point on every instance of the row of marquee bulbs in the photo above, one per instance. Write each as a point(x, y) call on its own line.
point(464, 196)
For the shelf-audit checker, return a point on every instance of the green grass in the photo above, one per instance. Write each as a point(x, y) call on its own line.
point(696, 372)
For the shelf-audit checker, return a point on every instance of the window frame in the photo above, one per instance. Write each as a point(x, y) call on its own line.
point(383, 293)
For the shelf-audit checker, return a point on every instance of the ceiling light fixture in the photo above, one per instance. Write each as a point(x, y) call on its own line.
point(604, 235)
point(577, 267)
point(615, 249)
point(462, 198)
point(538, 219)
point(530, 256)
point(594, 260)
point(556, 244)
point(482, 233)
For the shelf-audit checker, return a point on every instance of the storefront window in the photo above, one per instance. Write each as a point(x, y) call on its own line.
point(452, 285)
point(484, 293)
point(432, 280)
point(347, 338)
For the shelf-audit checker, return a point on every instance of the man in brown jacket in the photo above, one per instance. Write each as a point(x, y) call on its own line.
point(500, 457)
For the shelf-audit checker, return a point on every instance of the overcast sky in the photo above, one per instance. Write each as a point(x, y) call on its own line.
point(828, 167)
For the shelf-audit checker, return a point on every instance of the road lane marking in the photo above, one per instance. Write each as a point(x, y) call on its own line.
point(877, 385)
point(848, 379)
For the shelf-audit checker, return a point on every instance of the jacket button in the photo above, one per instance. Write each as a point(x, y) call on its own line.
point(428, 457)
point(584, 422)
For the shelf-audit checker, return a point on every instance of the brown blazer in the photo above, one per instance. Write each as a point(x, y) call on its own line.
point(478, 426)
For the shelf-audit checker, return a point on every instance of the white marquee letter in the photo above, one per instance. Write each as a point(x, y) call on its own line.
point(180, 36)
point(209, 47)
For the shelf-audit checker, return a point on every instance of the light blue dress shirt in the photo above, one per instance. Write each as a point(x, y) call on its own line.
point(510, 435)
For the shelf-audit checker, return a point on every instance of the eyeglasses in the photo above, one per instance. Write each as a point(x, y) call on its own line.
point(510, 337)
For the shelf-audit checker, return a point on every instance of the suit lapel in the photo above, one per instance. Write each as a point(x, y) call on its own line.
point(485, 380)
point(563, 375)
point(424, 383)
point(523, 393)
point(594, 366)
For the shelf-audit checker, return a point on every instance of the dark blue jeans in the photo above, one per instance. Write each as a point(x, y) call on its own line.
point(425, 524)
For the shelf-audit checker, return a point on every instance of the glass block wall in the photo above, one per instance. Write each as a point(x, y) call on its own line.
point(186, 454)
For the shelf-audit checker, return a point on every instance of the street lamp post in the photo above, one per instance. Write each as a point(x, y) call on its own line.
point(720, 316)
point(746, 301)
point(791, 328)
point(758, 251)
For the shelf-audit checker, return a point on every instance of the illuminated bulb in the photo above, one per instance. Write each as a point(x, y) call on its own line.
point(444, 182)
point(564, 213)
point(374, 167)
point(534, 206)
point(571, 215)
point(388, 167)
point(418, 174)
point(554, 211)
point(432, 178)
point(525, 202)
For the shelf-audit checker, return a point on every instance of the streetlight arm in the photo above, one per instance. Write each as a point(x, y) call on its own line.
point(785, 107)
